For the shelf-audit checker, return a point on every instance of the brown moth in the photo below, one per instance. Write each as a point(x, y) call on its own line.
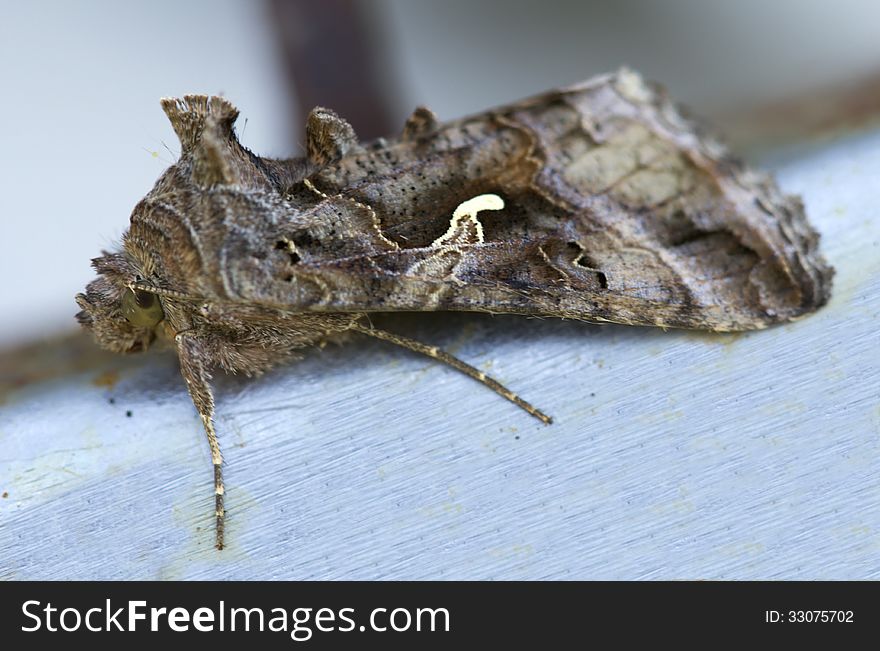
point(598, 202)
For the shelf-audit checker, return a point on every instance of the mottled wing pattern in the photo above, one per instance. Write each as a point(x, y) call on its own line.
point(616, 208)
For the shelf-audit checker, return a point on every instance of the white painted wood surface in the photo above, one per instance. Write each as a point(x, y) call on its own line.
point(674, 455)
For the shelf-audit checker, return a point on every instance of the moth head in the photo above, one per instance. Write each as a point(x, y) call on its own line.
point(121, 319)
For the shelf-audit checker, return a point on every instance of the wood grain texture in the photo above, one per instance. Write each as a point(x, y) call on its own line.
point(674, 455)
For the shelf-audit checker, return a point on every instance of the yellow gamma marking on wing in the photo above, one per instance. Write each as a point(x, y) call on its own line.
point(447, 251)
point(467, 210)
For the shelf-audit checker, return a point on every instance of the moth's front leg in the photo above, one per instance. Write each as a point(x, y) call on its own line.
point(194, 368)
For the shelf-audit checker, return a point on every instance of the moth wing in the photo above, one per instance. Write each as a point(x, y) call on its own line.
point(615, 208)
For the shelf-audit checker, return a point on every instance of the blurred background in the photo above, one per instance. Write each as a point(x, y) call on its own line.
point(85, 138)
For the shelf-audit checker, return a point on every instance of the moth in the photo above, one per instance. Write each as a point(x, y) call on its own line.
point(599, 202)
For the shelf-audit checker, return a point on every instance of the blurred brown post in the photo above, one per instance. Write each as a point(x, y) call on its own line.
point(332, 59)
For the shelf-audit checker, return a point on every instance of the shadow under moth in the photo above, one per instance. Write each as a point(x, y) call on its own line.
point(597, 202)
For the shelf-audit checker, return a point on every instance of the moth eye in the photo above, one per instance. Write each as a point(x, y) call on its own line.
point(141, 308)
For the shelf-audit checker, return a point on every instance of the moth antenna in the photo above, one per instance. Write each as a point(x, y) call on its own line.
point(169, 293)
point(442, 356)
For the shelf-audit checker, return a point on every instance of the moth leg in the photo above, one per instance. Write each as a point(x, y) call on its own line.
point(442, 356)
point(194, 369)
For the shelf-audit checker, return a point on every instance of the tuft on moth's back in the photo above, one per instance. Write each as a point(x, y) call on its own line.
point(597, 202)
